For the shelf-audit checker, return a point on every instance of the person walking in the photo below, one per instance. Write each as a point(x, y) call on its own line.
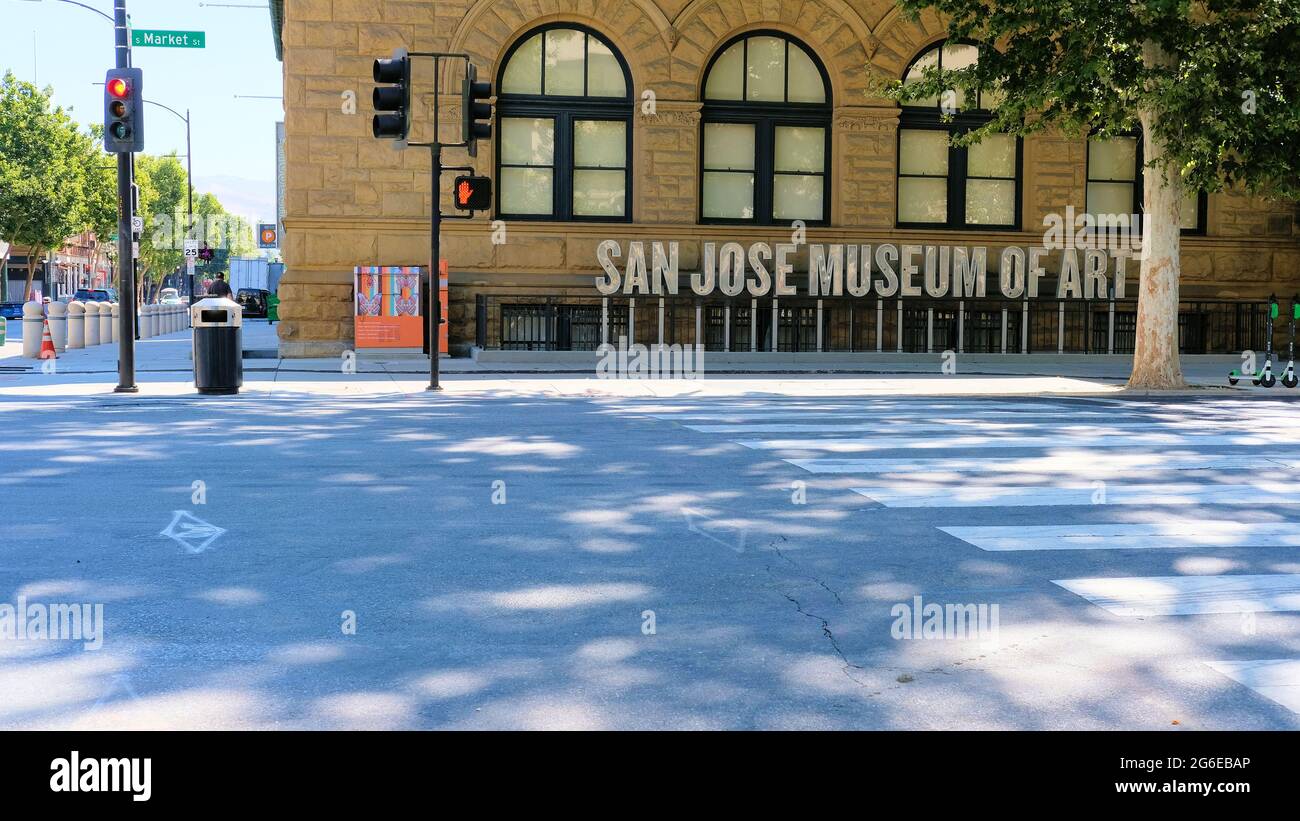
point(219, 287)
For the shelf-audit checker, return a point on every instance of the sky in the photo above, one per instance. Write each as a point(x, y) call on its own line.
point(61, 45)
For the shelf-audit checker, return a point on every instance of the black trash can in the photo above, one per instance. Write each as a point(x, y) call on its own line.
point(218, 345)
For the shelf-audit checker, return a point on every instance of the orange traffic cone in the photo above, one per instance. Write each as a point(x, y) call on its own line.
point(47, 344)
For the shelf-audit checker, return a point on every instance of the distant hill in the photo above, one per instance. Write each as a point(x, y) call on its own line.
point(252, 199)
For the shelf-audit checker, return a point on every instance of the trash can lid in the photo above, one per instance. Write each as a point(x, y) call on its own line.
point(216, 312)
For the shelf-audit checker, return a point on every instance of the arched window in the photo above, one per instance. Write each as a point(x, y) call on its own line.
point(941, 185)
point(766, 133)
point(564, 142)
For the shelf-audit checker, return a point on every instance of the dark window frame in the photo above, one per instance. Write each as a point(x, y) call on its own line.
point(563, 110)
point(1139, 184)
point(931, 118)
point(766, 117)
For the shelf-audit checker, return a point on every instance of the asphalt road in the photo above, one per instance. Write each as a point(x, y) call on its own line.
point(689, 562)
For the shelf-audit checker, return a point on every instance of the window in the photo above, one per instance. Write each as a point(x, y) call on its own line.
point(941, 185)
point(1115, 180)
point(765, 139)
point(565, 128)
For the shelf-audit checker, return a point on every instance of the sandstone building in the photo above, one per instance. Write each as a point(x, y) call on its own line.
point(709, 121)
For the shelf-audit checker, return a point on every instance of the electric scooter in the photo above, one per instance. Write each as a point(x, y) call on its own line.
point(1265, 376)
point(1289, 378)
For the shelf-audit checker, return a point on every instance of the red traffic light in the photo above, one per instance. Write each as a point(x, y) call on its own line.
point(118, 87)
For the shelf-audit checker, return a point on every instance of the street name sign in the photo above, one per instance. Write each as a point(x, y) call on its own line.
point(169, 39)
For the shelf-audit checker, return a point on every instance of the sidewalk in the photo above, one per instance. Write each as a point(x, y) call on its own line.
point(163, 364)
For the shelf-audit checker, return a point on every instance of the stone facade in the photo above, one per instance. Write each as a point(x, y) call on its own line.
point(352, 200)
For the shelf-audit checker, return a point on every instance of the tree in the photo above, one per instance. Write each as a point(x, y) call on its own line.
point(101, 192)
point(162, 182)
point(42, 172)
point(1213, 86)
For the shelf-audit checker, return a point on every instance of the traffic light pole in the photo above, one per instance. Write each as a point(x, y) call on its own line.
point(125, 235)
point(435, 268)
point(396, 71)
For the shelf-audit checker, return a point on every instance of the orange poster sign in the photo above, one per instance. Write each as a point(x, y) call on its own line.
point(390, 307)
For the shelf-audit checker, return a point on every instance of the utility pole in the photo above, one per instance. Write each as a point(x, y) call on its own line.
point(125, 234)
point(189, 183)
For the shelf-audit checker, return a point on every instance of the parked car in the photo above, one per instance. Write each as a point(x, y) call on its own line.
point(11, 310)
point(169, 296)
point(96, 295)
point(253, 301)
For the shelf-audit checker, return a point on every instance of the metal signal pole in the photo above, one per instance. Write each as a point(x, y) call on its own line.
point(125, 235)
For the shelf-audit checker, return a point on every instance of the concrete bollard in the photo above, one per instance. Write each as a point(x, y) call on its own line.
point(146, 322)
point(168, 319)
point(59, 326)
point(117, 330)
point(33, 329)
point(76, 324)
point(92, 324)
point(105, 323)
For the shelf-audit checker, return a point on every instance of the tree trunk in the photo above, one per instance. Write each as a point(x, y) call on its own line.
point(32, 254)
point(4, 274)
point(1156, 365)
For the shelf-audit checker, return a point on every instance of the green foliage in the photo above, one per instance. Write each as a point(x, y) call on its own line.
point(43, 168)
point(1220, 78)
point(100, 177)
point(56, 181)
point(163, 187)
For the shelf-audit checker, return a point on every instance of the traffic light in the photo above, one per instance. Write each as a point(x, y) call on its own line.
point(123, 111)
point(476, 117)
point(394, 97)
point(472, 193)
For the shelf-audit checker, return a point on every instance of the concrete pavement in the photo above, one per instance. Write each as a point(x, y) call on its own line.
point(564, 552)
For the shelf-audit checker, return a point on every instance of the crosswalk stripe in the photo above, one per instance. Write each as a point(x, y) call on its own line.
point(902, 413)
point(1275, 679)
point(920, 494)
point(1186, 533)
point(1077, 463)
point(951, 442)
point(1189, 595)
point(954, 426)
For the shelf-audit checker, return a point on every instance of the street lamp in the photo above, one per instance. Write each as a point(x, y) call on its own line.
point(83, 5)
point(189, 185)
point(189, 171)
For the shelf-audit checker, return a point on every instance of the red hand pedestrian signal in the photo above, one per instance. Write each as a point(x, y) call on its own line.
point(473, 193)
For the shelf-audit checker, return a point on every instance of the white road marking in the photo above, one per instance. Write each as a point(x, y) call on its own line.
point(1275, 679)
point(905, 412)
point(1190, 595)
point(900, 425)
point(952, 442)
point(920, 494)
point(1074, 462)
point(1173, 533)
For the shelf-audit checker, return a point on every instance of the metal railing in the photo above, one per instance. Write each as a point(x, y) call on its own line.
point(806, 324)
